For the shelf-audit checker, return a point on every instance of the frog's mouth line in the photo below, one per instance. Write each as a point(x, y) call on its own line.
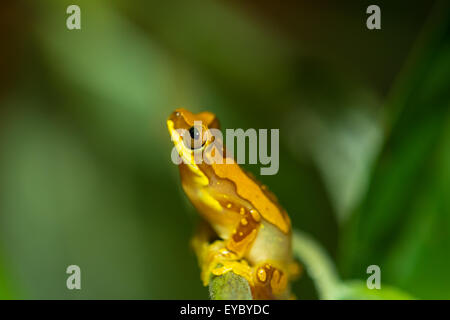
point(198, 148)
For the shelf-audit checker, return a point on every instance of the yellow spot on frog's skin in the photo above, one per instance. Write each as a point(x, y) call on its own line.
point(255, 215)
point(262, 276)
point(229, 205)
point(264, 187)
point(241, 233)
point(244, 221)
point(268, 266)
point(275, 278)
point(242, 211)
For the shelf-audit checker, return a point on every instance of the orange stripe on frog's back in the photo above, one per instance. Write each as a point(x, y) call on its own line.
point(248, 189)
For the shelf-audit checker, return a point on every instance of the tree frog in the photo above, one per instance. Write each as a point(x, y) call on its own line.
point(243, 229)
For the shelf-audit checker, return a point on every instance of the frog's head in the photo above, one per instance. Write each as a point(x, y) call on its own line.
point(190, 132)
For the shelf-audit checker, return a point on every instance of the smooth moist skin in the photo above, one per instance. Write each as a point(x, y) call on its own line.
point(244, 229)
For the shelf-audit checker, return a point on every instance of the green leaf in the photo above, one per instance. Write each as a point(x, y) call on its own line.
point(358, 290)
point(340, 131)
point(329, 285)
point(402, 224)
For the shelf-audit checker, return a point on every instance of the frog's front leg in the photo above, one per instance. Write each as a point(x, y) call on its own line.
point(267, 280)
point(215, 258)
point(232, 256)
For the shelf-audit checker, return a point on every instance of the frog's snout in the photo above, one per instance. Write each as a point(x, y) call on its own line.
point(169, 126)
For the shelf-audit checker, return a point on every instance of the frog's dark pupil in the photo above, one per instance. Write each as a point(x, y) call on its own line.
point(194, 133)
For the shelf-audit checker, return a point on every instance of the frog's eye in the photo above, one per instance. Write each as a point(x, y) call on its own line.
point(195, 134)
point(196, 138)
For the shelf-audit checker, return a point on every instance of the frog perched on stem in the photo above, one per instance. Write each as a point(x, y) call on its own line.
point(244, 229)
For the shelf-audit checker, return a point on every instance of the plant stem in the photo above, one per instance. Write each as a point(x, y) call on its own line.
point(317, 264)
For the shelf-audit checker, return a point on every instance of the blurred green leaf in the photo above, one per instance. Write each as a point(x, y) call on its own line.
point(241, 54)
point(403, 223)
point(358, 290)
point(322, 270)
point(118, 82)
point(340, 131)
point(58, 209)
point(6, 288)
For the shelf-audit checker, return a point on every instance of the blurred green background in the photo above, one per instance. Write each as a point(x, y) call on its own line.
point(85, 170)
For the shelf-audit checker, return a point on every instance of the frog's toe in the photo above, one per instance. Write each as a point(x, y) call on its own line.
point(271, 279)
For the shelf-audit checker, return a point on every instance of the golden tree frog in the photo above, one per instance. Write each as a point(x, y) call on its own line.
point(243, 229)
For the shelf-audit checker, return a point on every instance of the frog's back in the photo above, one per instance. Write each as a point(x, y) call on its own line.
point(273, 237)
point(263, 201)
